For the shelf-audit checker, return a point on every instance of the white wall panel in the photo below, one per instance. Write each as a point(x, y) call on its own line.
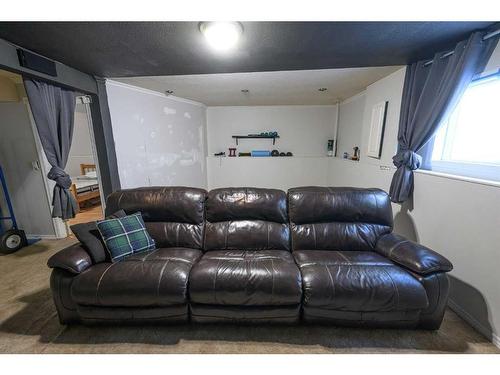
point(159, 140)
point(267, 172)
point(350, 124)
point(303, 129)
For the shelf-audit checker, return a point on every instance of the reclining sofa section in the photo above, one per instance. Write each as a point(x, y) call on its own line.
point(257, 255)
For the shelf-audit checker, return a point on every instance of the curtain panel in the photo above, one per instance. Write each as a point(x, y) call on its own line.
point(53, 110)
point(431, 91)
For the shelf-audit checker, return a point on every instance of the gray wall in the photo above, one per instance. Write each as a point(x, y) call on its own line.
point(104, 141)
point(26, 186)
point(66, 76)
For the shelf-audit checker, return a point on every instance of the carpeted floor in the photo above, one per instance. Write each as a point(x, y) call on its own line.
point(28, 324)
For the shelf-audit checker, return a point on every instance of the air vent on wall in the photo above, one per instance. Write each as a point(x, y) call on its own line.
point(37, 63)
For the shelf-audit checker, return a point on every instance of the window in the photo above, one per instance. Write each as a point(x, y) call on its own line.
point(468, 142)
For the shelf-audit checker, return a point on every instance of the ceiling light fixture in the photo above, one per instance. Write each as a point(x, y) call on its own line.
point(322, 89)
point(245, 91)
point(221, 36)
point(169, 92)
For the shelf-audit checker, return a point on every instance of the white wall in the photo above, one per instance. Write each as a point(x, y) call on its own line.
point(303, 130)
point(494, 62)
point(388, 89)
point(267, 172)
point(159, 140)
point(81, 146)
point(350, 125)
point(457, 218)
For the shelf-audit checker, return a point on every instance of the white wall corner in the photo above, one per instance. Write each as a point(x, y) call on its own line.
point(152, 92)
point(490, 335)
point(354, 97)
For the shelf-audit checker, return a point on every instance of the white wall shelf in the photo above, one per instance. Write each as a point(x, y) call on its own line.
point(295, 157)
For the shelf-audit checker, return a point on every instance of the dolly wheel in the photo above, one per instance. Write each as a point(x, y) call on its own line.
point(12, 240)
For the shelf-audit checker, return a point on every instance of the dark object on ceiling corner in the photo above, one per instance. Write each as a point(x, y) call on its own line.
point(37, 63)
point(126, 49)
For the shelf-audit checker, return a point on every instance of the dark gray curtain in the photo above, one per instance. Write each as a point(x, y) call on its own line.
point(53, 109)
point(430, 93)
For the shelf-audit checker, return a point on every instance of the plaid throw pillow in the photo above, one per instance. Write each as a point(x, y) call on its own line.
point(125, 236)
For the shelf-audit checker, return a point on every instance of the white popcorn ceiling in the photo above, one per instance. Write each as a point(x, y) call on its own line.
point(299, 87)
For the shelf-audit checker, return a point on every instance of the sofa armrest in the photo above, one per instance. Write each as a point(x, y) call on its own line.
point(411, 255)
point(74, 259)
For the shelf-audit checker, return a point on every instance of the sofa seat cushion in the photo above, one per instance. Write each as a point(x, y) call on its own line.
point(357, 281)
point(153, 278)
point(246, 278)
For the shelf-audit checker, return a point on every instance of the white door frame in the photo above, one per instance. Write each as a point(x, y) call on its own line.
point(86, 100)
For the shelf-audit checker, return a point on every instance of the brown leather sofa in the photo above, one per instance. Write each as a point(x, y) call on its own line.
point(318, 254)
point(247, 272)
point(148, 286)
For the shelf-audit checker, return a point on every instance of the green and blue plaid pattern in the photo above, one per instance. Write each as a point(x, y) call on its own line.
point(125, 236)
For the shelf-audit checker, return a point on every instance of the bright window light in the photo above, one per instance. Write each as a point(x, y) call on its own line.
point(221, 36)
point(468, 142)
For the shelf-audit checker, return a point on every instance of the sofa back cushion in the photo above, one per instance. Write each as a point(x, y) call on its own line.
point(247, 219)
point(338, 218)
point(174, 216)
point(91, 239)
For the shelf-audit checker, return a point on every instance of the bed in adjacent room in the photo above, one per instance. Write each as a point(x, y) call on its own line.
point(85, 187)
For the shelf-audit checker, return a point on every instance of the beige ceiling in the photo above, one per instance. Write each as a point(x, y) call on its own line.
point(296, 87)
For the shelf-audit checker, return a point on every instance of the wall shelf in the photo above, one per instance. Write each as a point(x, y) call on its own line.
point(273, 159)
point(273, 137)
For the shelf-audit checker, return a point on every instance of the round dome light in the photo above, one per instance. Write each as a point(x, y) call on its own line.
point(221, 36)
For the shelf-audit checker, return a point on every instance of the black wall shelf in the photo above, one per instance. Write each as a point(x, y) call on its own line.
point(273, 137)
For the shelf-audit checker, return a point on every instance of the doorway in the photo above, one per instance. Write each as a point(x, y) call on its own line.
point(25, 165)
point(83, 166)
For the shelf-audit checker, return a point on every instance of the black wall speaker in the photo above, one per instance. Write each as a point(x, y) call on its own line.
point(37, 63)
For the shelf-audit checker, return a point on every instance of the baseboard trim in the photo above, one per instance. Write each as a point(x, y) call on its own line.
point(42, 236)
point(492, 336)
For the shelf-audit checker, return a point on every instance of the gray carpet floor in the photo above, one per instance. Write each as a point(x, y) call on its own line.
point(28, 324)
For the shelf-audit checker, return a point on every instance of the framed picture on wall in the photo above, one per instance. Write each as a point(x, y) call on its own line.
point(377, 125)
